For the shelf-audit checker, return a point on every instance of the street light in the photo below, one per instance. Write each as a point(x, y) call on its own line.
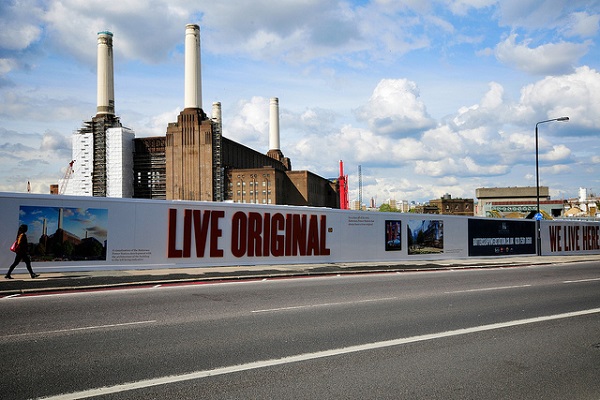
point(537, 180)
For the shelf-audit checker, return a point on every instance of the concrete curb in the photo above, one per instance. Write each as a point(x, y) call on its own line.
point(102, 280)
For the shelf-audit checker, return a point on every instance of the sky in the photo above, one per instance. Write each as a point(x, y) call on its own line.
point(428, 97)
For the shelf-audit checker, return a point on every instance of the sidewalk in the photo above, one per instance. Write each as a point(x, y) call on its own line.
point(61, 281)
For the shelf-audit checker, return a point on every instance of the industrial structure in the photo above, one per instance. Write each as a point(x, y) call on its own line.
point(193, 161)
point(343, 188)
point(103, 147)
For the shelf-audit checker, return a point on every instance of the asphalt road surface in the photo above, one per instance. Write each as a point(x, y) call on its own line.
point(502, 333)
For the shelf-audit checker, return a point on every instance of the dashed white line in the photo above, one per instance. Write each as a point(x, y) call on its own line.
point(583, 280)
point(83, 328)
point(488, 289)
point(309, 356)
point(321, 305)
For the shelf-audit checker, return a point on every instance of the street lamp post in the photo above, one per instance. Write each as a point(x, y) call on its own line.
point(537, 180)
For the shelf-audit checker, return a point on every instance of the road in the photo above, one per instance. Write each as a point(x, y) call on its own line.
point(526, 333)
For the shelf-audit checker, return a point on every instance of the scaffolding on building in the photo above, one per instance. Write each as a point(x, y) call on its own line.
point(218, 170)
point(99, 171)
point(97, 129)
point(149, 166)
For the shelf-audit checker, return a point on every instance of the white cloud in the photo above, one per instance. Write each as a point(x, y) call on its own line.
point(462, 7)
point(558, 153)
point(144, 30)
point(443, 142)
point(462, 167)
point(157, 125)
point(582, 24)
point(20, 30)
point(576, 95)
point(492, 108)
point(31, 157)
point(55, 142)
point(294, 31)
point(481, 141)
point(533, 14)
point(395, 109)
point(7, 65)
point(250, 125)
point(551, 58)
point(40, 107)
point(555, 170)
point(19, 21)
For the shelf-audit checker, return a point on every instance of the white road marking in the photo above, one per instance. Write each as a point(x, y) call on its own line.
point(487, 289)
point(309, 356)
point(322, 305)
point(83, 328)
point(583, 280)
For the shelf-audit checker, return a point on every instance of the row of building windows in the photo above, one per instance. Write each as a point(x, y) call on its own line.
point(253, 201)
point(252, 192)
point(252, 183)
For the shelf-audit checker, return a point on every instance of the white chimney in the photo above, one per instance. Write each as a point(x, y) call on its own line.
point(216, 112)
point(193, 76)
point(106, 85)
point(274, 124)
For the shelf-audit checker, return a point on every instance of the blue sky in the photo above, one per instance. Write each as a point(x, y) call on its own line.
point(428, 97)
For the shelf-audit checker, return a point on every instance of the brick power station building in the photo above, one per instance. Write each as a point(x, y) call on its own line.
point(193, 161)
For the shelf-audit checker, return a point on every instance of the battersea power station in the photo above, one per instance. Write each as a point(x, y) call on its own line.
point(193, 161)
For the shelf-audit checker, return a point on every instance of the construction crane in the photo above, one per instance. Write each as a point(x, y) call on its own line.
point(343, 182)
point(65, 179)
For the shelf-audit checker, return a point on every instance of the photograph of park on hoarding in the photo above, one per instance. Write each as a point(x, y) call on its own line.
point(65, 234)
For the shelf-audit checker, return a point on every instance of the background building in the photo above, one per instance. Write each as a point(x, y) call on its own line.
point(449, 206)
point(193, 161)
point(516, 202)
point(585, 206)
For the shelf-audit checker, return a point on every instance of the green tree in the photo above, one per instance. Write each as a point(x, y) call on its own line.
point(387, 208)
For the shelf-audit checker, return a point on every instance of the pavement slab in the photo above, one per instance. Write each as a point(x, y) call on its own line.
point(87, 280)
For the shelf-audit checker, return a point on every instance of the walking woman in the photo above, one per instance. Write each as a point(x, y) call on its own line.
point(22, 253)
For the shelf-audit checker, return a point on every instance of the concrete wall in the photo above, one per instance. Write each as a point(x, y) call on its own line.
point(109, 233)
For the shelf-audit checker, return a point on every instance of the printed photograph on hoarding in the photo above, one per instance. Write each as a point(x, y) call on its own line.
point(65, 234)
point(425, 236)
point(393, 236)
